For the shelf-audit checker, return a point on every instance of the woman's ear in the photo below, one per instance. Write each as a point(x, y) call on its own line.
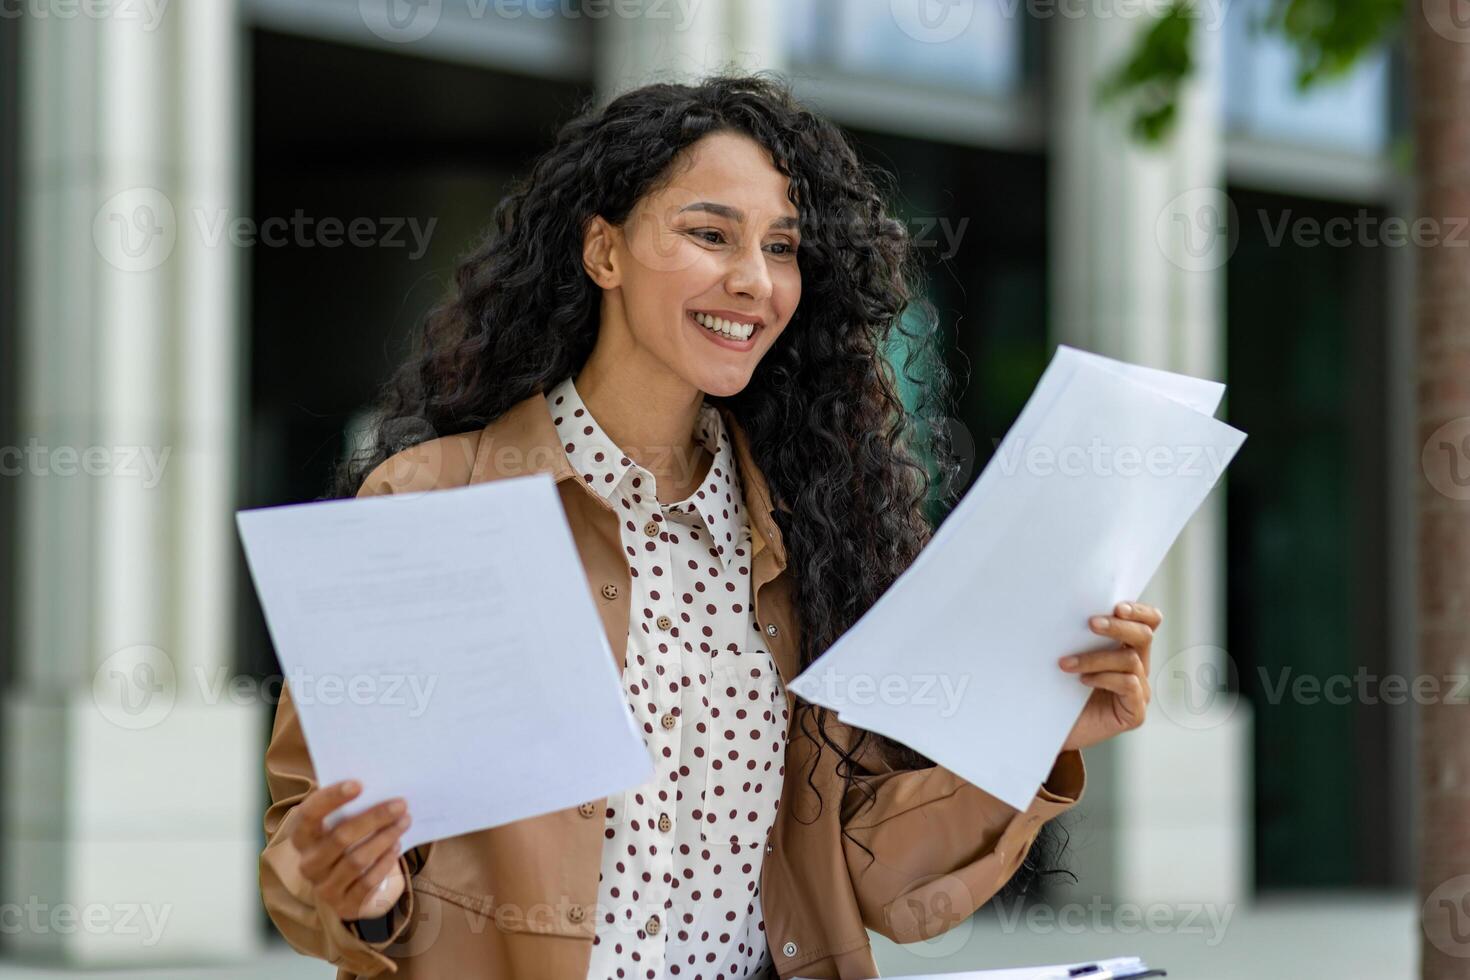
point(599, 252)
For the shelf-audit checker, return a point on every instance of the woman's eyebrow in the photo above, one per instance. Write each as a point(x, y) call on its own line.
point(734, 214)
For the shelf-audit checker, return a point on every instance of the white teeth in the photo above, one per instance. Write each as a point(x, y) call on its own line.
point(726, 328)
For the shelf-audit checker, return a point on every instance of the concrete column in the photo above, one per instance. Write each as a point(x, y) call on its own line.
point(756, 39)
point(1138, 247)
point(131, 810)
point(680, 43)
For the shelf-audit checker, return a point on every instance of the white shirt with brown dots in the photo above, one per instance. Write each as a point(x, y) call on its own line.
point(679, 891)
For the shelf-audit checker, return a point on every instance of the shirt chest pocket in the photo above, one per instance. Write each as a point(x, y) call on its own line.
point(741, 745)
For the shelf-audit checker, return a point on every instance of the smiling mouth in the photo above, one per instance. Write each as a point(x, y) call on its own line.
point(727, 329)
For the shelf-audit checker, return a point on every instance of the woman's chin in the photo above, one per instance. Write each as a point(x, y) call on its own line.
point(723, 384)
point(720, 380)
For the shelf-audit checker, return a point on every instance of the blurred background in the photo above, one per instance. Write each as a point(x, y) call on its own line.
point(220, 219)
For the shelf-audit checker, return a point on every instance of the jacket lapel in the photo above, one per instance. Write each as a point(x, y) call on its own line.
point(521, 442)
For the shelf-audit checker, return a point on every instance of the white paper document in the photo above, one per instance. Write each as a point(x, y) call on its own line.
point(1119, 968)
point(442, 646)
point(1073, 514)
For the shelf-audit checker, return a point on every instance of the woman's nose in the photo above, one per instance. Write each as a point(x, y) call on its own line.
point(749, 276)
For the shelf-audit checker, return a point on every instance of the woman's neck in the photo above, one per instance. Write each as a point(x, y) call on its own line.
point(650, 414)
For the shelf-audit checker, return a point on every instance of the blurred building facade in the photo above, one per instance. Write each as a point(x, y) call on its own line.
point(177, 287)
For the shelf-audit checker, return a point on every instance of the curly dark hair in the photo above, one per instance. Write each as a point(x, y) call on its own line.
point(854, 467)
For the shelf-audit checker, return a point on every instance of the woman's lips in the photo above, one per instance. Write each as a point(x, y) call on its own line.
point(727, 342)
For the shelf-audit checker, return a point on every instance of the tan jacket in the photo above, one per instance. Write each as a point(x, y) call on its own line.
point(516, 901)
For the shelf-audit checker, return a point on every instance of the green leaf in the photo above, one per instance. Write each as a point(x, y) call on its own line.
point(1330, 38)
point(1152, 76)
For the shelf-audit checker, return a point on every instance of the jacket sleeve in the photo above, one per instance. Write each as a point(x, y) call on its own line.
point(941, 847)
point(287, 895)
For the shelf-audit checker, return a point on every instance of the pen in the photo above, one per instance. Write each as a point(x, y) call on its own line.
point(1096, 971)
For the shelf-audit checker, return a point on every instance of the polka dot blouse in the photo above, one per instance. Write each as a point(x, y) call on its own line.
point(679, 891)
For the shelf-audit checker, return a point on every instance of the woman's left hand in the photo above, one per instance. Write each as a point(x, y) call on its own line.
point(1119, 676)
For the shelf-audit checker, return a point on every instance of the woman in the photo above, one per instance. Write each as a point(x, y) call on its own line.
point(681, 317)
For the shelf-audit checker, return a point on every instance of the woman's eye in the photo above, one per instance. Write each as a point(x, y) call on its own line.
point(714, 236)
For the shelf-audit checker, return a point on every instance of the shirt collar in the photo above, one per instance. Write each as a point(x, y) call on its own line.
point(522, 441)
point(610, 473)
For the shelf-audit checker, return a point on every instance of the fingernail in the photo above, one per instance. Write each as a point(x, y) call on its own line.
point(397, 807)
point(1126, 608)
point(1070, 662)
point(1100, 621)
point(352, 786)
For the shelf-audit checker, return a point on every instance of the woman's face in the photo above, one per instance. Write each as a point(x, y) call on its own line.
point(719, 241)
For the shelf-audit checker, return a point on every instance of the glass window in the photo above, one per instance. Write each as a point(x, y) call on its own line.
point(970, 44)
point(1261, 98)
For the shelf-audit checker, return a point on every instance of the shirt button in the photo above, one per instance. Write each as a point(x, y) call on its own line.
point(651, 529)
point(771, 628)
point(576, 913)
point(770, 848)
point(652, 926)
point(664, 823)
point(664, 622)
point(667, 720)
point(789, 949)
point(609, 591)
point(587, 809)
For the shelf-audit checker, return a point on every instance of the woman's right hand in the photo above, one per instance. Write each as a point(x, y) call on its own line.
point(352, 867)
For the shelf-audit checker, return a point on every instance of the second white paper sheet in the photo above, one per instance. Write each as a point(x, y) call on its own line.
point(1073, 514)
point(443, 646)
